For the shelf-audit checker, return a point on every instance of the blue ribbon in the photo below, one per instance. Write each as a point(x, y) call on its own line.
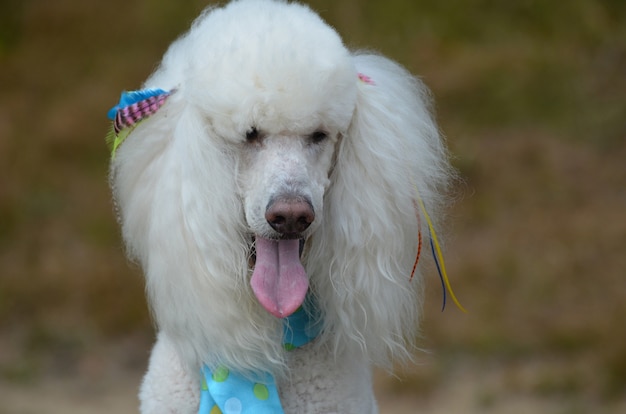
point(127, 98)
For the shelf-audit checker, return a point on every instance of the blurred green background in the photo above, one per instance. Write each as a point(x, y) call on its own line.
point(531, 96)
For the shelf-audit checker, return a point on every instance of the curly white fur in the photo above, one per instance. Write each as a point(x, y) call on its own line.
point(192, 192)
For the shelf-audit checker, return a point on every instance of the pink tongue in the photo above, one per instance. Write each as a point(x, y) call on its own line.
point(279, 280)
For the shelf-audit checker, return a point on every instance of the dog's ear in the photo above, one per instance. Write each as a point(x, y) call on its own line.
point(166, 175)
point(364, 255)
point(174, 181)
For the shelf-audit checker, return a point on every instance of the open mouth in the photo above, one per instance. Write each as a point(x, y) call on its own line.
point(279, 280)
point(253, 250)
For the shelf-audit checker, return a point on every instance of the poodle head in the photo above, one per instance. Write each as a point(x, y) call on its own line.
point(274, 169)
point(277, 88)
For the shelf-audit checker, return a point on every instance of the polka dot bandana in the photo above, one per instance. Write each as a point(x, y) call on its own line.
point(225, 392)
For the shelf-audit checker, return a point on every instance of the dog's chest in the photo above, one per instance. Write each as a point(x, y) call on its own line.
point(320, 382)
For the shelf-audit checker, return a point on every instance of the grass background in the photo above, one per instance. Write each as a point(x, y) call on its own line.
point(531, 96)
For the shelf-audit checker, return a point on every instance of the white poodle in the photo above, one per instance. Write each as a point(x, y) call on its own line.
point(269, 181)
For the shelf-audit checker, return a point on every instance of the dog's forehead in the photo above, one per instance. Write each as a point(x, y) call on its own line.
point(271, 32)
point(274, 45)
point(269, 63)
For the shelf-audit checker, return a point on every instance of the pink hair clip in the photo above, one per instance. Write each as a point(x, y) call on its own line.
point(366, 79)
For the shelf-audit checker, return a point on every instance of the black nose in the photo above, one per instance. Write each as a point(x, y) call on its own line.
point(290, 215)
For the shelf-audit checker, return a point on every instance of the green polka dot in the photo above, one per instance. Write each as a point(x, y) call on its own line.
point(220, 374)
point(261, 392)
point(288, 346)
point(204, 386)
point(215, 410)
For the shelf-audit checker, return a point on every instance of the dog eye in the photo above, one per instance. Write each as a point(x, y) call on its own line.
point(252, 134)
point(318, 136)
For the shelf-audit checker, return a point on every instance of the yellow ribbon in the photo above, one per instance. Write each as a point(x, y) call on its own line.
point(439, 257)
